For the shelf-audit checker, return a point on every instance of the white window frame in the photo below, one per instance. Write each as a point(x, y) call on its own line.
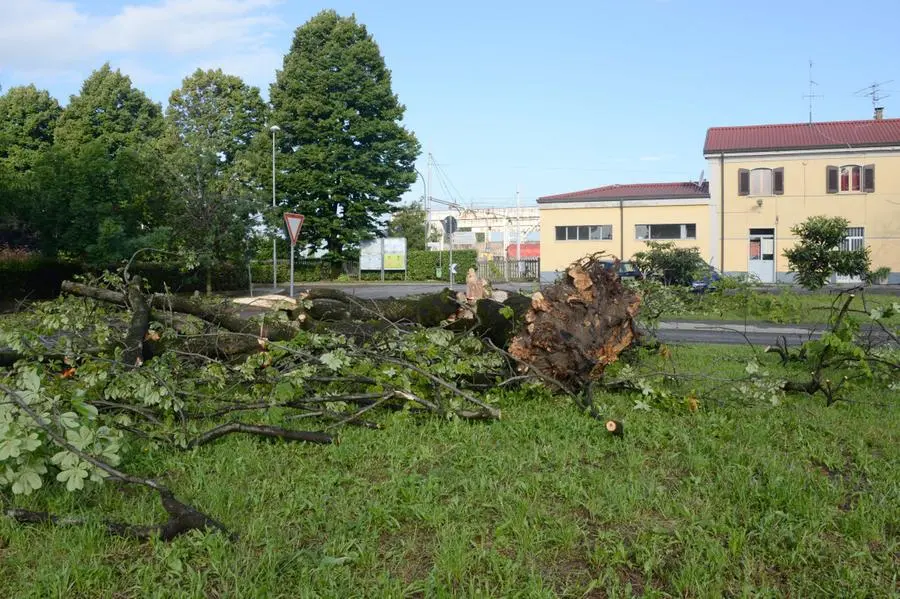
point(850, 189)
point(760, 184)
point(605, 232)
point(649, 237)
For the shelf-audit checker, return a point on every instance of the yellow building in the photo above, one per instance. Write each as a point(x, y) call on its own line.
point(618, 219)
point(763, 180)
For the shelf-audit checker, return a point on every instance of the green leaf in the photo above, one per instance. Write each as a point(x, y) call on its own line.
point(10, 448)
point(26, 481)
point(73, 477)
point(31, 380)
point(68, 420)
point(284, 391)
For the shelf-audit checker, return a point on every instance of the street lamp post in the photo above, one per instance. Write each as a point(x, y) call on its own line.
point(425, 207)
point(274, 129)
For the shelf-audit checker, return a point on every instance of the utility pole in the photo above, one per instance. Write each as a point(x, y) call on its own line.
point(518, 227)
point(428, 201)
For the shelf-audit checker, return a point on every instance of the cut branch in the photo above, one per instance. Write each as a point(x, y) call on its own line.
point(262, 431)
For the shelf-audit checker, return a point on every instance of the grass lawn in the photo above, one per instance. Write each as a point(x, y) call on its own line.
point(784, 307)
point(789, 500)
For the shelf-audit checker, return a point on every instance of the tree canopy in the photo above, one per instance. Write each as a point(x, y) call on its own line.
point(818, 253)
point(409, 222)
point(211, 121)
point(109, 110)
point(343, 156)
point(99, 190)
point(28, 118)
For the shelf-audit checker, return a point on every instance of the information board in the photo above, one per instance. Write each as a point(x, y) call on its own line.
point(387, 254)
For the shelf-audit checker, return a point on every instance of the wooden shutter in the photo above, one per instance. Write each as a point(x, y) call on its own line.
point(831, 179)
point(743, 182)
point(869, 178)
point(778, 181)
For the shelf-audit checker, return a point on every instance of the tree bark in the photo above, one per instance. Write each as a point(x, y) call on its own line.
point(140, 323)
point(222, 314)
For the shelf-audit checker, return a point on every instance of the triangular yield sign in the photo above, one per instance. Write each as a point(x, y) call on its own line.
point(294, 222)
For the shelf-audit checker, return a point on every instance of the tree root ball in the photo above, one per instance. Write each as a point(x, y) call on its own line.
point(577, 326)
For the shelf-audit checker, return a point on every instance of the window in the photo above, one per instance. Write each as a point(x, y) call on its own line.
point(854, 240)
point(850, 178)
point(761, 181)
point(686, 231)
point(584, 233)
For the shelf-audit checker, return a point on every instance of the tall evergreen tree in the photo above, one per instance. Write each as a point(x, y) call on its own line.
point(343, 156)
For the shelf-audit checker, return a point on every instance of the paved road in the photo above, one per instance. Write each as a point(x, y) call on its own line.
point(736, 333)
point(386, 290)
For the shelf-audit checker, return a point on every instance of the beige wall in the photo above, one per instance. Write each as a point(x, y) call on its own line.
point(557, 255)
point(805, 195)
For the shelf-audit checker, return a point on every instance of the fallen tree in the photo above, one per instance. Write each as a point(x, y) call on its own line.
point(156, 372)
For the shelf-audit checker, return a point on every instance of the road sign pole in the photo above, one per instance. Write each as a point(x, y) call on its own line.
point(451, 260)
point(292, 270)
point(294, 222)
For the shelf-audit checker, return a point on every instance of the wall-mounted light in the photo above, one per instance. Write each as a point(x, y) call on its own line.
point(759, 202)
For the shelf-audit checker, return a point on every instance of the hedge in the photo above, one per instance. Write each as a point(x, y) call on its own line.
point(34, 277)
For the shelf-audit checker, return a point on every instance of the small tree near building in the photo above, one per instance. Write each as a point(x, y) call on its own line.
point(409, 222)
point(818, 253)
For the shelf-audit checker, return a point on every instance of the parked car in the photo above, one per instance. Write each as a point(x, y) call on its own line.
point(705, 279)
point(625, 270)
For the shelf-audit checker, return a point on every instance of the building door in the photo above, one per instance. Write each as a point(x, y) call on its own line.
point(853, 241)
point(762, 254)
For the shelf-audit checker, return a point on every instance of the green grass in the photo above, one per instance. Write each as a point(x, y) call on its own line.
point(784, 307)
point(793, 500)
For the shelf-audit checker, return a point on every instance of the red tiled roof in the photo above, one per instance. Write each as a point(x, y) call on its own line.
point(634, 191)
point(802, 136)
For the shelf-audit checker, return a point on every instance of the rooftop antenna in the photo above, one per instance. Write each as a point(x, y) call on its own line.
point(875, 91)
point(700, 180)
point(811, 96)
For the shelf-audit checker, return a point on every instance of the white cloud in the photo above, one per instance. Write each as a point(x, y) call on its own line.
point(43, 36)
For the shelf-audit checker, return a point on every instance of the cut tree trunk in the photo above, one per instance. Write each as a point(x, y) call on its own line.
point(221, 314)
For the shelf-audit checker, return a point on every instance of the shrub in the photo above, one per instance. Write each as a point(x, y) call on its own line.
point(33, 277)
point(672, 265)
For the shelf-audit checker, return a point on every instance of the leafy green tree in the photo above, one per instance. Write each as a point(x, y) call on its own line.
point(28, 117)
point(409, 222)
point(212, 120)
point(344, 157)
point(100, 188)
point(111, 111)
point(818, 252)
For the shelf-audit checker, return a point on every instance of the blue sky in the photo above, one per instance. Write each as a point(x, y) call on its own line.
point(549, 97)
